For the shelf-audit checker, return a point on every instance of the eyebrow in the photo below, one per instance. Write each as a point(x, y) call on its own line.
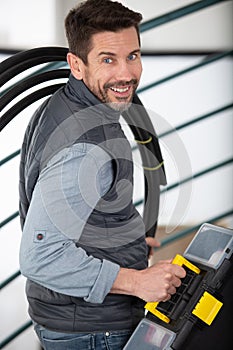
point(107, 53)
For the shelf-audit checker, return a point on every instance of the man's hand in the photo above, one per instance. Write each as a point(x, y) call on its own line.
point(152, 243)
point(159, 282)
point(156, 283)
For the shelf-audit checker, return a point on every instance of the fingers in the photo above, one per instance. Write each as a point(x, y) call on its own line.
point(172, 280)
point(176, 270)
point(168, 297)
point(176, 281)
point(152, 242)
point(167, 261)
point(168, 294)
point(179, 271)
point(159, 281)
point(171, 290)
point(171, 284)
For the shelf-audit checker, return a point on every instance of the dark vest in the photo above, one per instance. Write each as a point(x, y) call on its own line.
point(114, 222)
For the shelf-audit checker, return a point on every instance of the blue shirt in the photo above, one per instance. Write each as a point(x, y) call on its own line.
point(57, 215)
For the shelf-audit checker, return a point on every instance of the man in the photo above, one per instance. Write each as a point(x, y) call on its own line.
point(83, 248)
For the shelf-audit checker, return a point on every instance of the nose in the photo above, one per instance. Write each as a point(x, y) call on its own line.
point(124, 71)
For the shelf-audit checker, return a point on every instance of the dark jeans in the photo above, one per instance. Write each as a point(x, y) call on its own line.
point(86, 341)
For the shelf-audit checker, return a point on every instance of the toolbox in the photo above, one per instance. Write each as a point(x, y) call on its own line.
point(199, 300)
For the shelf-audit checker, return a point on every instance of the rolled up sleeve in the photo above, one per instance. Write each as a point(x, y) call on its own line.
point(104, 282)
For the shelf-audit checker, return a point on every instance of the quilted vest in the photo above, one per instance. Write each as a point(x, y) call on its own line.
point(114, 222)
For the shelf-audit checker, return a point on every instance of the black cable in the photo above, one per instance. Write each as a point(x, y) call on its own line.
point(32, 81)
point(27, 59)
point(27, 101)
point(143, 130)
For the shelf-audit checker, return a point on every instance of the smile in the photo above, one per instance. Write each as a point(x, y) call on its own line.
point(121, 90)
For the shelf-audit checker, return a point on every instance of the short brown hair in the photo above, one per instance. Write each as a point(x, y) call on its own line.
point(95, 16)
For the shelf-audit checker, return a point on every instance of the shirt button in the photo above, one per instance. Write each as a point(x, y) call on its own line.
point(40, 236)
point(107, 334)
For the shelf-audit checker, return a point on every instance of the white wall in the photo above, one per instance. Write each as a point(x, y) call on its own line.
point(208, 29)
point(25, 24)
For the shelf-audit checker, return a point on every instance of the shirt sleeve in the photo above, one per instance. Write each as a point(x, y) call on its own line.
point(68, 189)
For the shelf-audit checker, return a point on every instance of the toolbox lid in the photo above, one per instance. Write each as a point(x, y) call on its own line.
point(211, 245)
point(150, 336)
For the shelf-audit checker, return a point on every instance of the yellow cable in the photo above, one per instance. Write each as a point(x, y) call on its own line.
point(144, 142)
point(155, 168)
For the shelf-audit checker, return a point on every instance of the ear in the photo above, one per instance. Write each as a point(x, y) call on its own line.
point(75, 64)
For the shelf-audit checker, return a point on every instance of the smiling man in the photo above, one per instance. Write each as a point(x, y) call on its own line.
point(113, 68)
point(83, 248)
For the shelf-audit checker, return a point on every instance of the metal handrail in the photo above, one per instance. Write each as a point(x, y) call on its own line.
point(197, 119)
point(9, 218)
point(173, 15)
point(17, 332)
point(192, 121)
point(192, 229)
point(198, 174)
point(191, 177)
point(187, 70)
point(11, 156)
point(10, 279)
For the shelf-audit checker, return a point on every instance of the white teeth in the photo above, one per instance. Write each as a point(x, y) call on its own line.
point(120, 90)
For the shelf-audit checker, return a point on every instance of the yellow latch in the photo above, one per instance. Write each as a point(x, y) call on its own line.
point(178, 260)
point(152, 308)
point(207, 308)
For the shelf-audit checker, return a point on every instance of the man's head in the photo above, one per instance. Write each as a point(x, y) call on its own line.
point(95, 16)
point(104, 49)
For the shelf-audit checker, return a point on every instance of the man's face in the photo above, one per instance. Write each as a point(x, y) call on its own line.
point(114, 67)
